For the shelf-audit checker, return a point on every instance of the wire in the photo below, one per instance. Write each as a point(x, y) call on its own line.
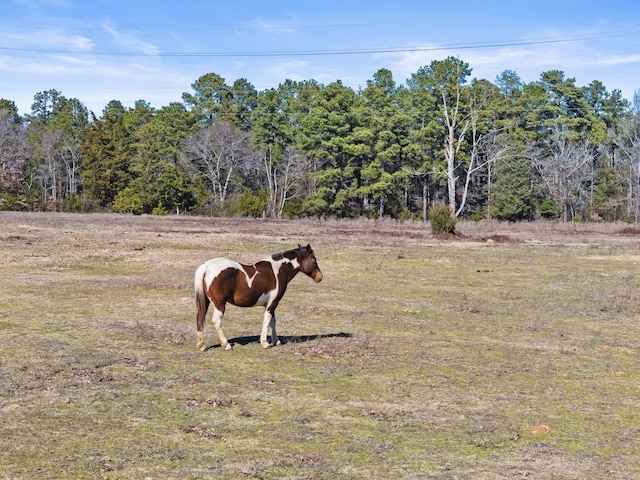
point(287, 53)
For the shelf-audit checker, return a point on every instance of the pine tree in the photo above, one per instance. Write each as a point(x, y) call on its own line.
point(511, 197)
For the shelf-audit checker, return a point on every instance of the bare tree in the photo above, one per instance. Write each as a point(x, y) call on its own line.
point(454, 139)
point(563, 167)
point(50, 170)
point(283, 178)
point(486, 150)
point(12, 147)
point(627, 139)
point(215, 152)
point(71, 155)
point(13, 154)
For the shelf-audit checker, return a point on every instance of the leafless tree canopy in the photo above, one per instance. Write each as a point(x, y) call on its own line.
point(215, 152)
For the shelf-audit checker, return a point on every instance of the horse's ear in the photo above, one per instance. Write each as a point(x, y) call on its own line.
point(307, 249)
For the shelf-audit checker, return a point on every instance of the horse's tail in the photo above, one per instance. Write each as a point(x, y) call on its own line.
point(202, 301)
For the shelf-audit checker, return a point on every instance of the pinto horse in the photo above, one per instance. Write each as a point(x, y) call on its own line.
point(221, 281)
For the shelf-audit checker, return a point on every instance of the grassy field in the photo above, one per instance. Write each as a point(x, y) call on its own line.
point(511, 351)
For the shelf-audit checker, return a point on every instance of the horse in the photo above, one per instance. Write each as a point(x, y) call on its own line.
point(221, 281)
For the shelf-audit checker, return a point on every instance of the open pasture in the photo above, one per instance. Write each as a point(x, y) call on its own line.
point(512, 352)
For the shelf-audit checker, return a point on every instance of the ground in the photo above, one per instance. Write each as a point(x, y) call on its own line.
point(507, 351)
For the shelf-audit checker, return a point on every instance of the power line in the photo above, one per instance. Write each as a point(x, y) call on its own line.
point(288, 53)
point(289, 24)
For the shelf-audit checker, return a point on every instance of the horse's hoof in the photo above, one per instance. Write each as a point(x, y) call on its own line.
point(278, 342)
point(228, 347)
point(201, 347)
point(266, 345)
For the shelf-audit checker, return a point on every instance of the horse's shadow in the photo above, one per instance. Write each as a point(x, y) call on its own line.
point(283, 339)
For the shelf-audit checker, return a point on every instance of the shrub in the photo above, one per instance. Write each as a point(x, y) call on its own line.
point(128, 201)
point(477, 215)
point(549, 209)
point(72, 203)
point(248, 205)
point(441, 219)
point(159, 210)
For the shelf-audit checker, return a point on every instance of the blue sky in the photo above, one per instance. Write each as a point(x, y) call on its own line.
point(101, 50)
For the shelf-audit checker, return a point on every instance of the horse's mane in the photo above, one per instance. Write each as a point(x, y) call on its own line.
point(289, 254)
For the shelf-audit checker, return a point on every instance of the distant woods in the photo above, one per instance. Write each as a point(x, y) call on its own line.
point(506, 149)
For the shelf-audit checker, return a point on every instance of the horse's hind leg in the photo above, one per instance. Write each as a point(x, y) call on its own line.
point(217, 324)
point(203, 305)
point(269, 321)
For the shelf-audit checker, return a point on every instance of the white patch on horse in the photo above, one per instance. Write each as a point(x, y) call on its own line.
point(264, 299)
point(217, 265)
point(268, 297)
point(250, 279)
point(276, 264)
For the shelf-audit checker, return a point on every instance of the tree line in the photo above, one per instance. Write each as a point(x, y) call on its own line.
point(506, 149)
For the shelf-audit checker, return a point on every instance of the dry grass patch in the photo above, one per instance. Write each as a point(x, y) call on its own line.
point(414, 358)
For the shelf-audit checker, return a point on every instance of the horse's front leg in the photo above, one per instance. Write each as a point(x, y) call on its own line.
point(269, 320)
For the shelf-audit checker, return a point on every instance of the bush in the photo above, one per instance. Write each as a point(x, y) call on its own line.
point(248, 205)
point(549, 209)
point(441, 219)
point(159, 210)
point(292, 208)
point(477, 215)
point(72, 203)
point(128, 201)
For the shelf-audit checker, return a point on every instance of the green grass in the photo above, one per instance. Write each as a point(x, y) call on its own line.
point(414, 358)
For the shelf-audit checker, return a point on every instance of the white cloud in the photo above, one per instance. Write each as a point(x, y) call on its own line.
point(130, 40)
point(48, 40)
point(274, 26)
point(528, 60)
point(616, 60)
point(278, 72)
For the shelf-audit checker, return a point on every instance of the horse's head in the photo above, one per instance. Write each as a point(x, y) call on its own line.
point(308, 263)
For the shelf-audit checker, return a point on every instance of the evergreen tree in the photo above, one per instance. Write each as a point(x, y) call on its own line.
point(107, 150)
point(211, 98)
point(383, 178)
point(158, 178)
point(327, 137)
point(511, 192)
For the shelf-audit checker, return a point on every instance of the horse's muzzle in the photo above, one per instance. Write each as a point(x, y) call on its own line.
point(317, 276)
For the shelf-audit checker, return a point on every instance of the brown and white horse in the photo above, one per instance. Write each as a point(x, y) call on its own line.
point(221, 281)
